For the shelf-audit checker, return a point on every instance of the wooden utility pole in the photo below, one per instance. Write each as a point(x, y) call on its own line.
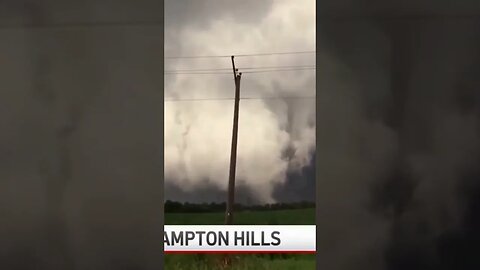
point(233, 154)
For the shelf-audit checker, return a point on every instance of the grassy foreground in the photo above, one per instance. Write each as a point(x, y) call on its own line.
point(242, 262)
point(274, 217)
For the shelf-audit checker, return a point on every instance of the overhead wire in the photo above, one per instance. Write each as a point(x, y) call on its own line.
point(275, 70)
point(237, 55)
point(242, 98)
point(249, 70)
point(198, 73)
point(229, 73)
point(240, 68)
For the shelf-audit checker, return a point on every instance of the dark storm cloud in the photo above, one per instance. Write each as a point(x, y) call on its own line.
point(209, 193)
point(399, 132)
point(191, 14)
point(198, 14)
point(196, 130)
point(299, 186)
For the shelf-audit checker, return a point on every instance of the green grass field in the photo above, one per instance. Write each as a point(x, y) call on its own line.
point(243, 262)
point(275, 217)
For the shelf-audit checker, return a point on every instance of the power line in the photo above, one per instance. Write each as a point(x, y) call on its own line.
point(276, 53)
point(244, 98)
point(275, 70)
point(240, 68)
point(237, 55)
point(196, 57)
point(193, 70)
point(198, 73)
point(229, 73)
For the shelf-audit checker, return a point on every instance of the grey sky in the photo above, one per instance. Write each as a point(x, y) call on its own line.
point(198, 134)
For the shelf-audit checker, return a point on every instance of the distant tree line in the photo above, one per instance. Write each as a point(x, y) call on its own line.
point(186, 207)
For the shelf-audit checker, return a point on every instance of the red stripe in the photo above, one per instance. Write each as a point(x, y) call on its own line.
point(239, 252)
